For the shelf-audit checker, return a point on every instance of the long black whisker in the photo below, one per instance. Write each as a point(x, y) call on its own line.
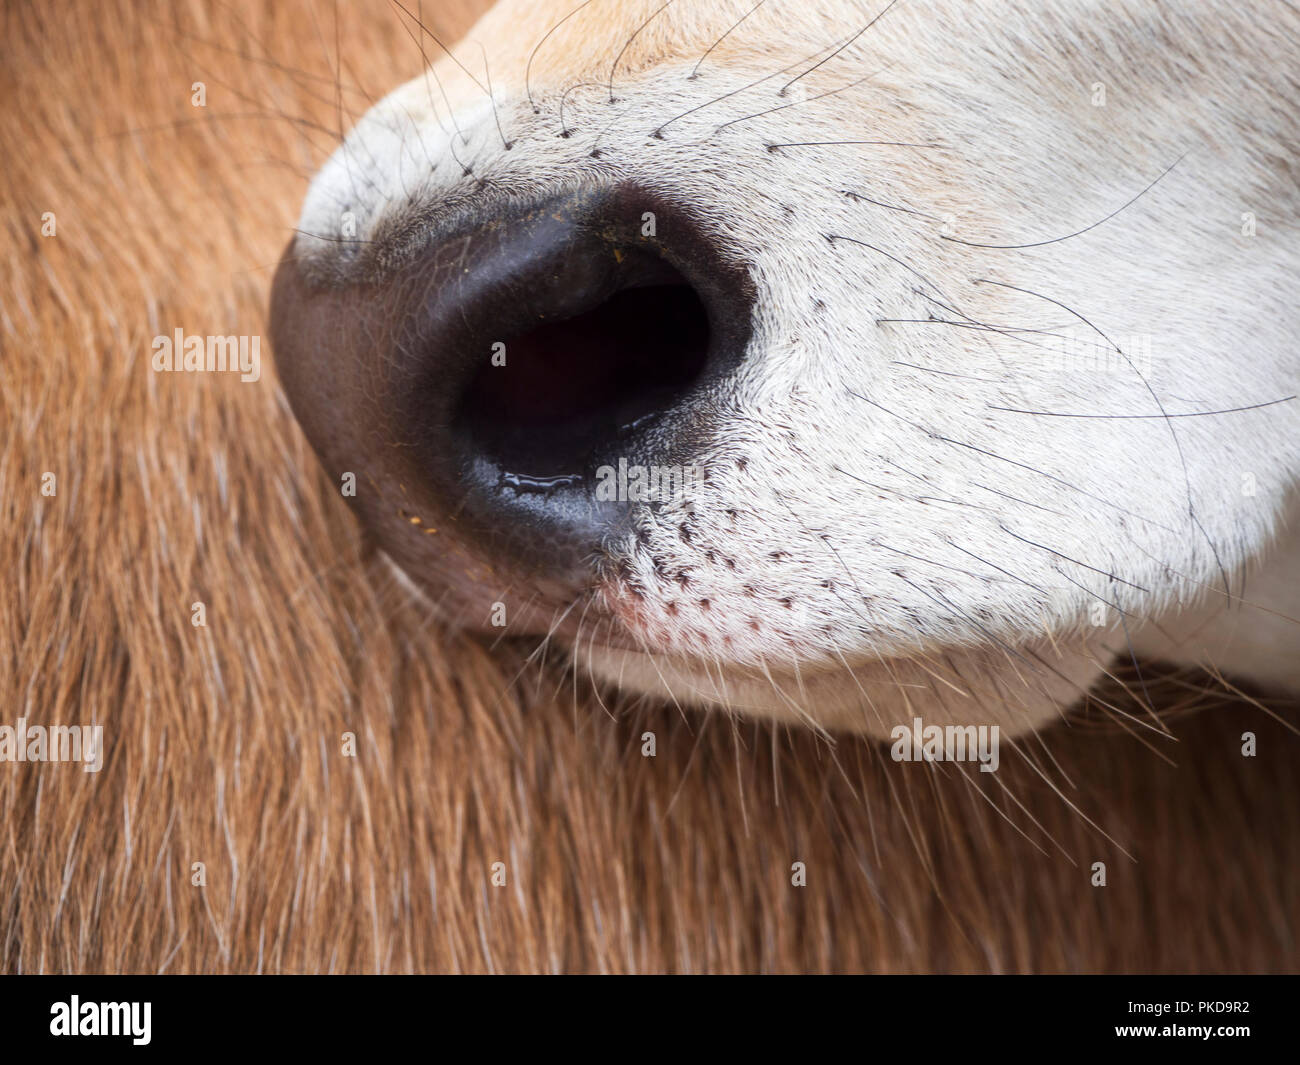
point(564, 130)
point(451, 111)
point(841, 48)
point(799, 103)
point(1187, 477)
point(1122, 417)
point(496, 115)
point(528, 67)
point(1077, 232)
point(1002, 458)
point(821, 144)
point(858, 196)
point(438, 41)
point(628, 44)
point(696, 69)
point(1059, 554)
point(658, 133)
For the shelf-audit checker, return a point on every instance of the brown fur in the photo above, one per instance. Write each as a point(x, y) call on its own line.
point(223, 742)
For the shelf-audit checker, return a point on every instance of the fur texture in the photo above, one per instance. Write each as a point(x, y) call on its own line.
point(223, 742)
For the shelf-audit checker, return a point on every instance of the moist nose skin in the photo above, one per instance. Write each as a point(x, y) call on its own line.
point(481, 379)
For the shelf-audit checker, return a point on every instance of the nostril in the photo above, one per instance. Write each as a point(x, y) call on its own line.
point(474, 370)
point(568, 389)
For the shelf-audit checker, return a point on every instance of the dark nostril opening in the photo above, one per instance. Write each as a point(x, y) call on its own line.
point(571, 387)
point(623, 319)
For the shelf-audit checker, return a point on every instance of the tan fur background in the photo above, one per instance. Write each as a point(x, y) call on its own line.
point(224, 742)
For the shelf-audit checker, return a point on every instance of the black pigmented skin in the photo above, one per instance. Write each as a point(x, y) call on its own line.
point(377, 371)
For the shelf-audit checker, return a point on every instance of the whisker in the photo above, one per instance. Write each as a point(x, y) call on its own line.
point(658, 133)
point(1058, 554)
point(837, 51)
point(1077, 232)
point(528, 67)
point(564, 130)
point(496, 115)
point(1127, 417)
point(429, 69)
point(1013, 462)
point(628, 44)
point(1187, 477)
point(861, 197)
point(819, 144)
point(696, 69)
point(799, 103)
point(438, 41)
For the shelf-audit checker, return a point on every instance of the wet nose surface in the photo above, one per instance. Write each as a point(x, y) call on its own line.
point(483, 383)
